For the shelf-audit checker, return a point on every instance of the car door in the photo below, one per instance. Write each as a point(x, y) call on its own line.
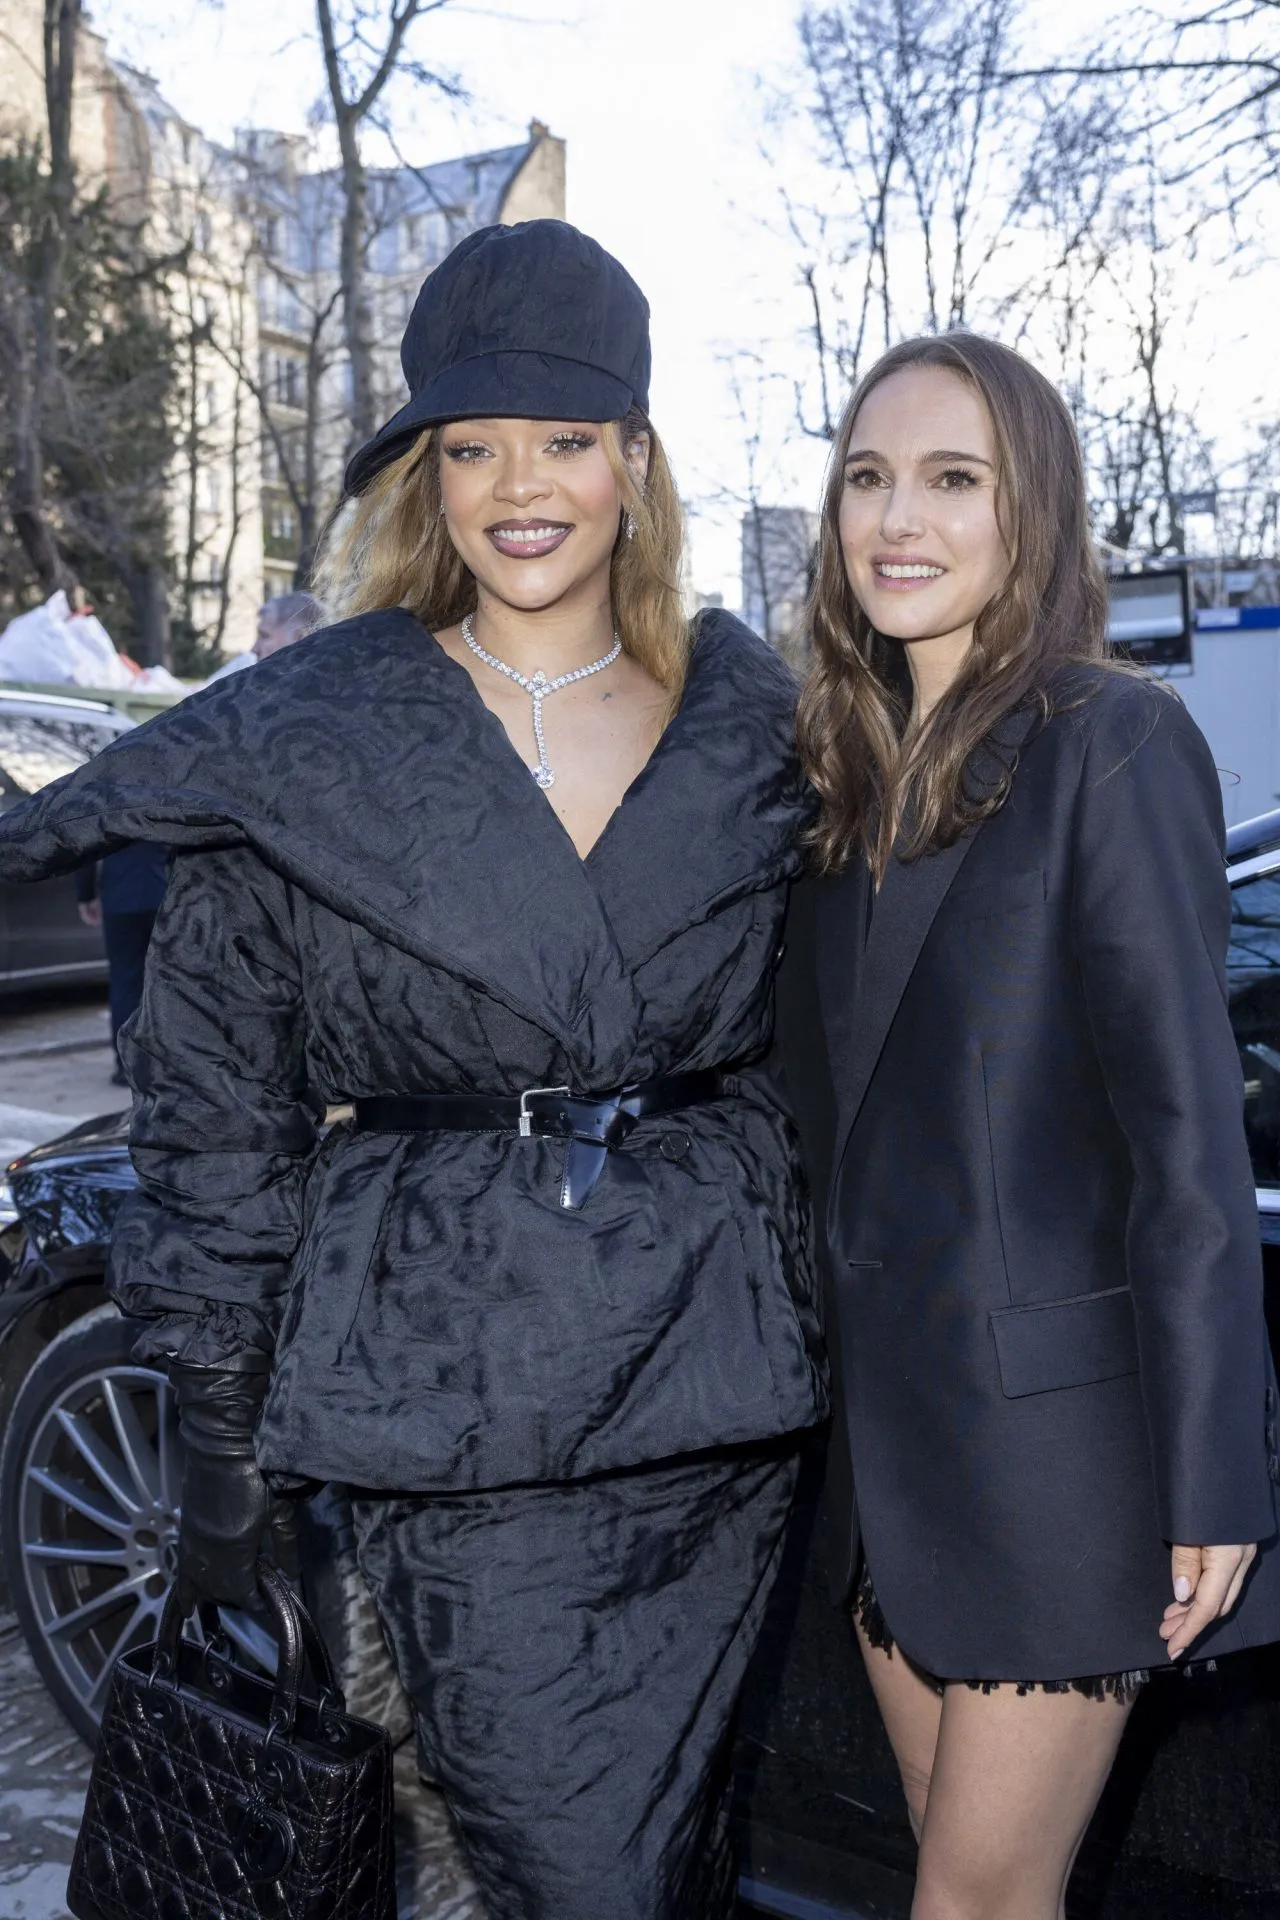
point(1253, 986)
point(42, 937)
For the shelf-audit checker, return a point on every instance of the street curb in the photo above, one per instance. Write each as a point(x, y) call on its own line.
point(44, 1047)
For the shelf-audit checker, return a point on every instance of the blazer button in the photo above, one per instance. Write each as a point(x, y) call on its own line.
point(1269, 1400)
point(674, 1146)
point(1270, 1436)
point(1273, 1468)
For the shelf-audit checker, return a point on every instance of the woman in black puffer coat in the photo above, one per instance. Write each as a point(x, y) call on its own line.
point(543, 1299)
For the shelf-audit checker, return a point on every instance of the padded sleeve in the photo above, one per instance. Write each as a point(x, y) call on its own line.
point(225, 1123)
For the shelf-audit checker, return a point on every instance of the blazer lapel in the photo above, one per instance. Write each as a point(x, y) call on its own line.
point(859, 1014)
point(840, 922)
point(904, 912)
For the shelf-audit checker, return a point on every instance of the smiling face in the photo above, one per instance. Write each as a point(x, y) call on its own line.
point(533, 506)
point(918, 526)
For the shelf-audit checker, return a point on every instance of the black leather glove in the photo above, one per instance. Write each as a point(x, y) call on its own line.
point(230, 1516)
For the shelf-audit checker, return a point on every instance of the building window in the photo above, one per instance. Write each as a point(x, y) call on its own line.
point(288, 306)
point(439, 237)
point(285, 382)
point(269, 233)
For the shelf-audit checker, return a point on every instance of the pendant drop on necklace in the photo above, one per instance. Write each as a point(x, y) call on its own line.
point(537, 686)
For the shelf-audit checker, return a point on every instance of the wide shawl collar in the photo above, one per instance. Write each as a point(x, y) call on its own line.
point(363, 765)
point(861, 982)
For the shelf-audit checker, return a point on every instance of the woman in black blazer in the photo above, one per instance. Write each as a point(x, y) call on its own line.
point(1002, 1016)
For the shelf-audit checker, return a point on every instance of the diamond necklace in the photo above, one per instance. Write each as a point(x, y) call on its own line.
point(537, 686)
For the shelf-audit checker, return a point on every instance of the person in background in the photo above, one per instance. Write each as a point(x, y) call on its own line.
point(284, 618)
point(122, 893)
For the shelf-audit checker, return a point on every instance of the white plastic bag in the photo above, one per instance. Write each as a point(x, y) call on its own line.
point(50, 645)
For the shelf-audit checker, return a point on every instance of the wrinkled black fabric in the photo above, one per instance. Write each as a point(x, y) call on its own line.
point(573, 1655)
point(369, 895)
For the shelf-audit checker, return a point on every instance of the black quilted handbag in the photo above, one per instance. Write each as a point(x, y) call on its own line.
point(219, 1794)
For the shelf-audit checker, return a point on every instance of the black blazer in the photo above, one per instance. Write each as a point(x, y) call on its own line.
point(1043, 1238)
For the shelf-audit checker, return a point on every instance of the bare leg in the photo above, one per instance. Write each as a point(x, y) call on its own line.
point(1015, 1781)
point(911, 1708)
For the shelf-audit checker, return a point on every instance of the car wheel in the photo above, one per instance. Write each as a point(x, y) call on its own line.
point(89, 1485)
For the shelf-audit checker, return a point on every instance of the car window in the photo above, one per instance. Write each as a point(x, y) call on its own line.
point(1253, 979)
point(38, 748)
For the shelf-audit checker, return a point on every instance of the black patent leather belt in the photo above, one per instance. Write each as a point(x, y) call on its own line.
point(593, 1127)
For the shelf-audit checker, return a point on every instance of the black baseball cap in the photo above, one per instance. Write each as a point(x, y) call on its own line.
point(532, 322)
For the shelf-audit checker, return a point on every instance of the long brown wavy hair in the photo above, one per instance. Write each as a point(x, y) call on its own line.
point(391, 548)
point(880, 787)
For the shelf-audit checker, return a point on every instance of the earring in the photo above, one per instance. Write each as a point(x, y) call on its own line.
point(442, 513)
point(631, 526)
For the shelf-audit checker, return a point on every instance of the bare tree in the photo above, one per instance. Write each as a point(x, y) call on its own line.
point(364, 46)
point(298, 314)
point(913, 124)
point(38, 364)
point(776, 540)
point(101, 436)
point(1206, 77)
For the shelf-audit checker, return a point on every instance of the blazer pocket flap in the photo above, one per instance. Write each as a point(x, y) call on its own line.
point(1065, 1343)
point(1001, 894)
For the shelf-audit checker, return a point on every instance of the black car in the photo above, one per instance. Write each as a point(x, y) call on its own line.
point(88, 1509)
point(43, 941)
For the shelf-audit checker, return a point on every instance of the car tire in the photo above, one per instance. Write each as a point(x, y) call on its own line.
point(90, 1475)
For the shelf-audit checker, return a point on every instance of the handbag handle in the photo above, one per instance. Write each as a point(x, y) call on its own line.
point(305, 1639)
point(296, 1636)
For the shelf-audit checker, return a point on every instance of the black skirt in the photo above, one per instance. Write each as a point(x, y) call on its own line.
point(573, 1653)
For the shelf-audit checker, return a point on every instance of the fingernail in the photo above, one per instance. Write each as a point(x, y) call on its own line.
point(1182, 1588)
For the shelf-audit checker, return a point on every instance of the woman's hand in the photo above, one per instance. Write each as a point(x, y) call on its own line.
point(1206, 1585)
point(230, 1515)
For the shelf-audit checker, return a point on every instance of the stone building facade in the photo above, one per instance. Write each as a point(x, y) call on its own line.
point(262, 430)
point(778, 548)
point(415, 216)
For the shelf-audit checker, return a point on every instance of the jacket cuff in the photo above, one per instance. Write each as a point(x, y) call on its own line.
point(233, 1338)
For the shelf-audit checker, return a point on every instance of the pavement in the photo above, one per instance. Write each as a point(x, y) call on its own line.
point(44, 1770)
point(56, 1063)
point(55, 1069)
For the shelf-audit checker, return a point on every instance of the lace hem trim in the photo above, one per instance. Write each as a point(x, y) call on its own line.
point(1124, 1687)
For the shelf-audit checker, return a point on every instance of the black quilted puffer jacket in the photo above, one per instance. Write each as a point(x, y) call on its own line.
point(369, 895)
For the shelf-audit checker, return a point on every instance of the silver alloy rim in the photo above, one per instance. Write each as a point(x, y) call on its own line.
point(99, 1526)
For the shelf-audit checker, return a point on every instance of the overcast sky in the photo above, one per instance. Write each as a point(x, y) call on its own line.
point(658, 101)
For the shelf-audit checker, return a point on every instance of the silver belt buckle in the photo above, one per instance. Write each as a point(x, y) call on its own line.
point(526, 1118)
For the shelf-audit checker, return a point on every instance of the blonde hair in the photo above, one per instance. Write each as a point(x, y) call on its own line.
point(391, 548)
